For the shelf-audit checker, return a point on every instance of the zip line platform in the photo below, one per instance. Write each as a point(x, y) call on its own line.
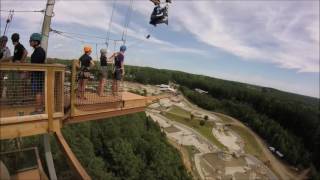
point(26, 87)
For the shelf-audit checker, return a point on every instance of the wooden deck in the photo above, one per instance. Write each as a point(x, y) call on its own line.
point(129, 103)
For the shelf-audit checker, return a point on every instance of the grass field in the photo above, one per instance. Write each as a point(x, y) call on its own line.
point(182, 116)
point(223, 118)
point(179, 111)
point(251, 144)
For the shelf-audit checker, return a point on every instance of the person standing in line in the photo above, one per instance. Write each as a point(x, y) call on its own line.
point(19, 56)
point(103, 71)
point(4, 50)
point(85, 62)
point(4, 56)
point(20, 53)
point(37, 77)
point(118, 71)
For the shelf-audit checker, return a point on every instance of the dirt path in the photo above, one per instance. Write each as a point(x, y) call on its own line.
point(281, 170)
point(275, 164)
point(184, 154)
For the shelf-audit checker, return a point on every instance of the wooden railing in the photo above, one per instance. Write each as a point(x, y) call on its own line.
point(19, 89)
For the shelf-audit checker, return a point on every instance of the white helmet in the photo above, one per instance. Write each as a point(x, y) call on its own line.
point(103, 51)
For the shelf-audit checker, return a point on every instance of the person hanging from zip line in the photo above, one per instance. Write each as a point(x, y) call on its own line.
point(37, 77)
point(103, 71)
point(118, 71)
point(159, 14)
point(85, 62)
point(4, 50)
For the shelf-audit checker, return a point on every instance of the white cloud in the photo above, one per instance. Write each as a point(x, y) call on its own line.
point(284, 33)
point(92, 15)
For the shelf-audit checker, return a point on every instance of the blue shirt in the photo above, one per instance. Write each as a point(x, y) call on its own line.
point(118, 60)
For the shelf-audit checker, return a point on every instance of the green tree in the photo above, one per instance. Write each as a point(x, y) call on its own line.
point(202, 122)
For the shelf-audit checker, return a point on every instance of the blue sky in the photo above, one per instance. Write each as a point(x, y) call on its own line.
point(268, 43)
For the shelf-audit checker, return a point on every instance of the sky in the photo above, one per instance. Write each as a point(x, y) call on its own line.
point(262, 42)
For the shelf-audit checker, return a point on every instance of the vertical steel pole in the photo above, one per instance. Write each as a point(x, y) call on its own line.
point(44, 44)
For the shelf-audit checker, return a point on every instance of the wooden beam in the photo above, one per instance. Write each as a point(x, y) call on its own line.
point(49, 90)
point(72, 159)
point(73, 87)
point(31, 67)
point(23, 129)
point(103, 115)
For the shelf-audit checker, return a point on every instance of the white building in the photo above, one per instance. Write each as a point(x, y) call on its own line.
point(272, 149)
point(167, 88)
point(279, 154)
point(201, 91)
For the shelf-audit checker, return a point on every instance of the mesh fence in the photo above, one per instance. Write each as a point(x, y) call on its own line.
point(18, 161)
point(58, 92)
point(98, 90)
point(21, 92)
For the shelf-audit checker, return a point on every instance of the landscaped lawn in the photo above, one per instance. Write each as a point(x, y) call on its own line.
point(223, 118)
point(183, 116)
point(179, 111)
point(251, 145)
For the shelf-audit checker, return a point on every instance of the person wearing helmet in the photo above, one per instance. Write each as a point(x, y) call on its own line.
point(118, 71)
point(37, 77)
point(103, 71)
point(84, 62)
point(20, 53)
point(4, 50)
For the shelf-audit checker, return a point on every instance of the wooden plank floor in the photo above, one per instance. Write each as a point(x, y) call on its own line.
point(111, 103)
point(93, 98)
point(94, 103)
point(12, 125)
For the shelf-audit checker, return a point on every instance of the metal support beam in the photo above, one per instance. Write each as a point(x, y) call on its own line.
point(48, 156)
point(46, 24)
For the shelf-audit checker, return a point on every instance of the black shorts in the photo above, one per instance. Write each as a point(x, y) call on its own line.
point(37, 81)
point(117, 74)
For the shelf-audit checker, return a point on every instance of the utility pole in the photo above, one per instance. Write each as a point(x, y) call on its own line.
point(46, 24)
point(44, 44)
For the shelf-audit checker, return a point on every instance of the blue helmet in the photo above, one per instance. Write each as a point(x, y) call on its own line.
point(36, 37)
point(123, 48)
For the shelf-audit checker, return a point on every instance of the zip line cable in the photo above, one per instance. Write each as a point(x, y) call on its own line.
point(23, 11)
point(8, 21)
point(110, 23)
point(76, 39)
point(79, 34)
point(127, 22)
point(82, 35)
